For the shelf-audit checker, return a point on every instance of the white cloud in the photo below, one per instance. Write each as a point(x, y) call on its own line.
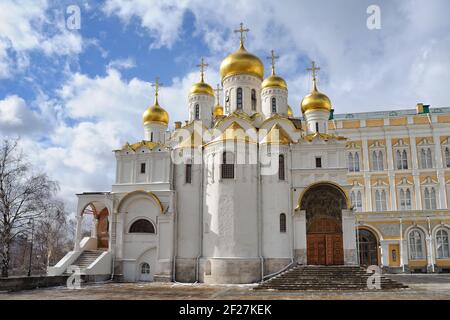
point(119, 64)
point(362, 70)
point(24, 27)
point(17, 118)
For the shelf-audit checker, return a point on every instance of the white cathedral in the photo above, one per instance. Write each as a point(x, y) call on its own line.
point(246, 190)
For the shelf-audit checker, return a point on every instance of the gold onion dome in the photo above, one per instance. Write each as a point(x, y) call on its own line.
point(218, 111)
point(202, 88)
point(315, 100)
point(290, 112)
point(242, 62)
point(156, 114)
point(274, 81)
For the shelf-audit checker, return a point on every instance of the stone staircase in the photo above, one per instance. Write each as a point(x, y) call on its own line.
point(325, 278)
point(86, 258)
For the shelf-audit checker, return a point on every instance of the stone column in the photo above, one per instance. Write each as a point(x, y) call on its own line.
point(78, 232)
point(119, 234)
point(94, 227)
point(299, 220)
point(384, 244)
point(349, 237)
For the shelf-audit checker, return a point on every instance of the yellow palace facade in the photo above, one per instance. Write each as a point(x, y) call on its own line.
point(399, 172)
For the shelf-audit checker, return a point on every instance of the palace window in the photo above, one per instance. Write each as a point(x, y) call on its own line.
point(429, 195)
point(142, 226)
point(143, 167)
point(426, 159)
point(356, 200)
point(377, 161)
point(239, 98)
point(416, 245)
point(188, 173)
point(447, 157)
point(281, 169)
point(402, 160)
point(253, 100)
point(442, 244)
point(274, 105)
point(380, 200)
point(283, 223)
point(353, 162)
point(227, 165)
point(405, 199)
point(197, 112)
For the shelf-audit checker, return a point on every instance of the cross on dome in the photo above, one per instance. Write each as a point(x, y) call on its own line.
point(202, 66)
point(241, 30)
point(157, 86)
point(273, 58)
point(217, 91)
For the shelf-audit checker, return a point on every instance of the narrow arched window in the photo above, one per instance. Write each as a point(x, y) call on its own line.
point(239, 98)
point(429, 195)
point(383, 199)
point(375, 161)
point(429, 159)
point(447, 157)
point(356, 161)
point(378, 200)
point(188, 173)
point(145, 268)
point(380, 161)
point(408, 199)
point(281, 170)
point(399, 160)
point(404, 160)
point(197, 112)
point(274, 105)
point(402, 200)
point(253, 99)
point(433, 198)
point(351, 166)
point(142, 226)
point(151, 136)
point(227, 166)
point(317, 127)
point(442, 244)
point(359, 201)
point(416, 245)
point(282, 222)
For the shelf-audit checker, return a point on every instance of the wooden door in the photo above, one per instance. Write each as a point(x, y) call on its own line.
point(325, 249)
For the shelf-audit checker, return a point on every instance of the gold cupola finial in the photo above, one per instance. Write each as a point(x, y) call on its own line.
point(241, 30)
point(155, 113)
point(202, 87)
point(273, 80)
point(315, 100)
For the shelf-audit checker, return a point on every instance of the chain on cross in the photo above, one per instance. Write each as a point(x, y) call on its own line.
point(313, 70)
point(157, 86)
point(218, 90)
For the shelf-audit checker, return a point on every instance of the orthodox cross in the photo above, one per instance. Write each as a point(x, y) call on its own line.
point(273, 58)
point(313, 70)
point(217, 90)
point(157, 86)
point(202, 66)
point(241, 30)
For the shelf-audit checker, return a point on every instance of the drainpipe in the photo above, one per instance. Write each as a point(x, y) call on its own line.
point(112, 248)
point(358, 259)
point(401, 246)
point(197, 260)
point(258, 208)
point(175, 221)
point(430, 244)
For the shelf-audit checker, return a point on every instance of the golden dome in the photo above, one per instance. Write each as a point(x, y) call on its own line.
point(242, 62)
point(290, 112)
point(274, 81)
point(155, 114)
point(202, 88)
point(218, 111)
point(315, 101)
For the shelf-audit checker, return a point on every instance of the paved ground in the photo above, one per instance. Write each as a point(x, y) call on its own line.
point(421, 287)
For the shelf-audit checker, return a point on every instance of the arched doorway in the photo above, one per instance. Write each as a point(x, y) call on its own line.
point(368, 247)
point(103, 229)
point(323, 204)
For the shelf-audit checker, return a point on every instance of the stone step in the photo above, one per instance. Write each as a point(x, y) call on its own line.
point(326, 278)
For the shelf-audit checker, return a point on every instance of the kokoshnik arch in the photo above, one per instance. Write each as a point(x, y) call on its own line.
point(363, 188)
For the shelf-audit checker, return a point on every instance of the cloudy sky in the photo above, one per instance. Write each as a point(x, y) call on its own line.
point(73, 95)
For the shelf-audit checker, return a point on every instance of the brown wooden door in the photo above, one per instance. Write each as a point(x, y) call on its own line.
point(325, 249)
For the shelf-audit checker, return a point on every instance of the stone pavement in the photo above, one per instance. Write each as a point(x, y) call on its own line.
point(422, 287)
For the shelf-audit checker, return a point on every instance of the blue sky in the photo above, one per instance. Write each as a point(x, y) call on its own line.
point(75, 95)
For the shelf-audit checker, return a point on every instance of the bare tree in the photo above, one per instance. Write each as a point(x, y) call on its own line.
point(23, 195)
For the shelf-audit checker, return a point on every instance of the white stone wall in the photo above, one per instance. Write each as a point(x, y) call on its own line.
point(247, 83)
point(206, 107)
point(281, 96)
